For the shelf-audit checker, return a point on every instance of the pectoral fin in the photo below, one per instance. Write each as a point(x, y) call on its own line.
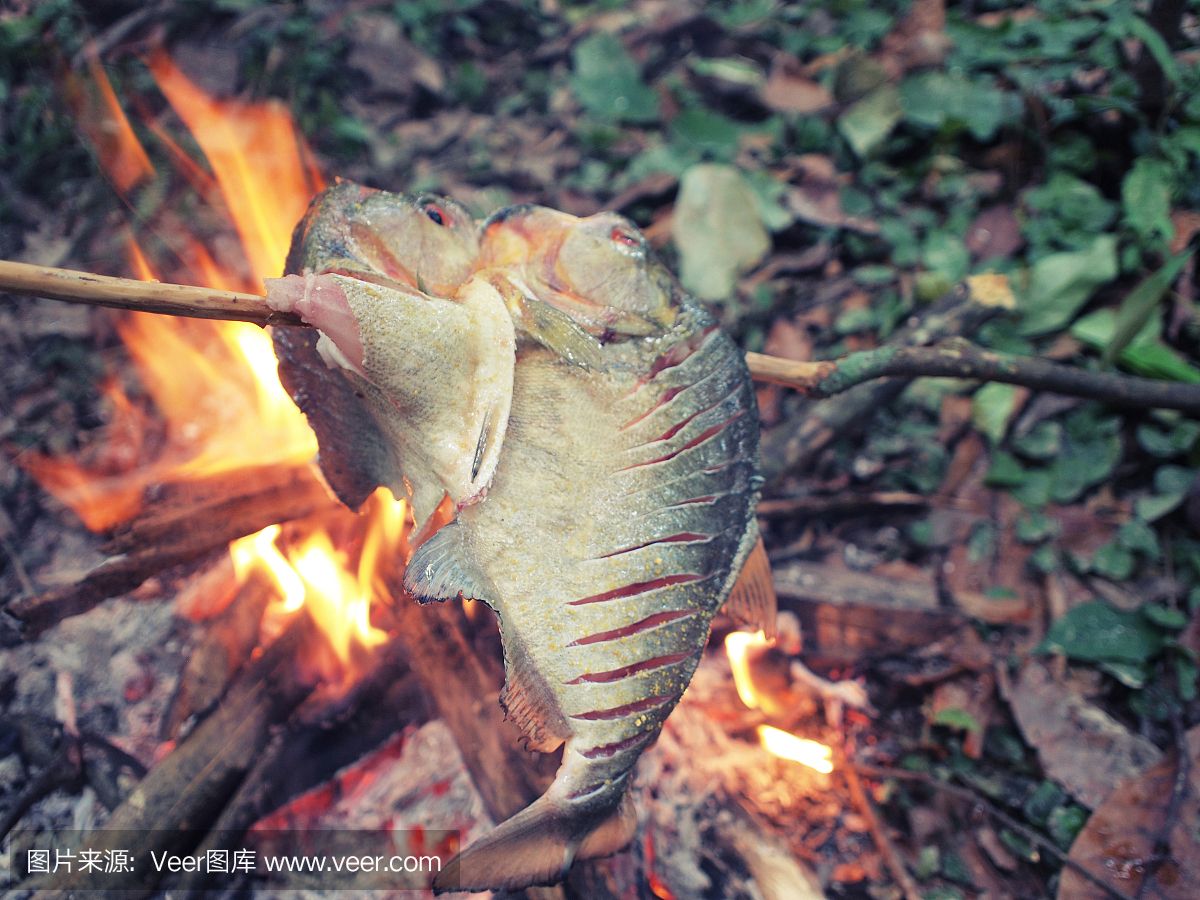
point(752, 601)
point(444, 568)
point(548, 326)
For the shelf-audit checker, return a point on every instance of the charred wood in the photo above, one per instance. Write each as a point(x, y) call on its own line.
point(185, 793)
point(182, 528)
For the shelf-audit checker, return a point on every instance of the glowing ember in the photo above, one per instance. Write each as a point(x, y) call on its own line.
point(783, 744)
point(738, 647)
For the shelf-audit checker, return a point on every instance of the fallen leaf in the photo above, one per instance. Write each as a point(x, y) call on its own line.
point(789, 91)
point(1061, 283)
point(867, 123)
point(995, 233)
point(1117, 845)
point(718, 230)
point(1146, 197)
point(1080, 746)
point(608, 83)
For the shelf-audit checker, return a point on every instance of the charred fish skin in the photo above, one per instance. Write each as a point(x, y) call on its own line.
point(618, 520)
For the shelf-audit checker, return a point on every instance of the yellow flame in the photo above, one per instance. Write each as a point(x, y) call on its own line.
point(334, 599)
point(259, 550)
point(737, 647)
point(785, 745)
point(242, 141)
point(215, 383)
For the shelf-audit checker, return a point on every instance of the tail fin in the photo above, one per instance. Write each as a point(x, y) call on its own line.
point(537, 846)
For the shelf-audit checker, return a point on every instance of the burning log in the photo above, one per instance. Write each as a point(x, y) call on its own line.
point(187, 790)
point(187, 525)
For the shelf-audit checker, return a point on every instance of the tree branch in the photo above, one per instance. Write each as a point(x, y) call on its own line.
point(955, 358)
point(958, 358)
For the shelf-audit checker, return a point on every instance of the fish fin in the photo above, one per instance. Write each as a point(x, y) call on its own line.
point(444, 568)
point(613, 834)
point(752, 601)
point(548, 326)
point(528, 703)
point(354, 455)
point(536, 846)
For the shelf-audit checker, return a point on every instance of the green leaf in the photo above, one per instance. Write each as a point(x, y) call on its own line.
point(867, 123)
point(1113, 561)
point(1095, 632)
point(960, 719)
point(1139, 537)
point(1153, 507)
point(1148, 35)
point(1137, 308)
point(1146, 354)
point(991, 408)
point(717, 228)
point(1146, 198)
point(1165, 617)
point(1043, 441)
point(1036, 526)
point(1065, 823)
point(608, 84)
point(1061, 283)
point(1180, 439)
point(706, 131)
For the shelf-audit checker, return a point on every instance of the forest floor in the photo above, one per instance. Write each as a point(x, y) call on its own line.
point(820, 174)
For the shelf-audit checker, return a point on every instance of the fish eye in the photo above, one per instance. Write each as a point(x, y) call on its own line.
point(436, 214)
point(622, 238)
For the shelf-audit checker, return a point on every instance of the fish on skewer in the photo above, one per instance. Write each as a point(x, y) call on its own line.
point(615, 437)
point(619, 518)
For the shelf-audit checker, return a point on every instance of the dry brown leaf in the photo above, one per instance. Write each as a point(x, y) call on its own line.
point(994, 233)
point(787, 90)
point(1080, 746)
point(1118, 843)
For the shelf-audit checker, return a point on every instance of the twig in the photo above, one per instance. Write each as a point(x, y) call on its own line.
point(995, 812)
point(954, 358)
point(888, 850)
point(810, 505)
point(958, 358)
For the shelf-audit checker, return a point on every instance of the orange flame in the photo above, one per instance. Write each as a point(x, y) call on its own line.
point(94, 105)
point(740, 647)
point(215, 383)
point(242, 142)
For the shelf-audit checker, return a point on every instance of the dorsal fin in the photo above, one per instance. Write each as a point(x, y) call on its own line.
point(528, 703)
point(444, 568)
point(752, 601)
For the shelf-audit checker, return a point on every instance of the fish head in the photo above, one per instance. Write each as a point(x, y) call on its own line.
point(421, 241)
point(599, 270)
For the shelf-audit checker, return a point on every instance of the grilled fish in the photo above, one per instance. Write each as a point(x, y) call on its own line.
point(619, 517)
point(421, 353)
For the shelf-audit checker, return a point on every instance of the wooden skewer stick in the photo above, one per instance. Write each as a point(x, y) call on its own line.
point(146, 296)
point(957, 358)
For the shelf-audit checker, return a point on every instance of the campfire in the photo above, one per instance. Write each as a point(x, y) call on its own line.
point(207, 493)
